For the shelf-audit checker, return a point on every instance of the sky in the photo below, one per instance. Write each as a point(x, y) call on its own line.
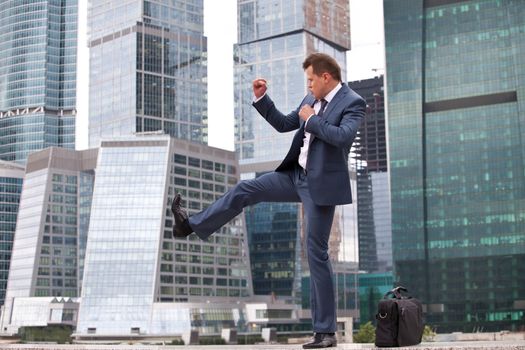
point(364, 60)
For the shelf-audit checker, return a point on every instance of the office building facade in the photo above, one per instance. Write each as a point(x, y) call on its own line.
point(133, 278)
point(11, 179)
point(137, 278)
point(455, 88)
point(44, 271)
point(38, 62)
point(147, 69)
point(274, 245)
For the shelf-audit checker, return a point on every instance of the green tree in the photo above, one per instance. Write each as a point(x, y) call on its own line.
point(428, 334)
point(57, 334)
point(365, 334)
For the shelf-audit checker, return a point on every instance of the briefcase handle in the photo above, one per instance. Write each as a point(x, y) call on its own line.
point(396, 292)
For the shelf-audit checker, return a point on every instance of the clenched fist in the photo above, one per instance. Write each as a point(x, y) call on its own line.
point(305, 112)
point(259, 87)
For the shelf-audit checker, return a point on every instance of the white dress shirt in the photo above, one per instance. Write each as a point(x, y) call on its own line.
point(303, 156)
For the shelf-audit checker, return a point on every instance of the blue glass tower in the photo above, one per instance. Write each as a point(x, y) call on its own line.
point(38, 54)
point(11, 178)
point(456, 122)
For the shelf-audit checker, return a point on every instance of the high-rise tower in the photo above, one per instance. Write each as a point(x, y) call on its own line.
point(147, 69)
point(456, 121)
point(11, 179)
point(38, 62)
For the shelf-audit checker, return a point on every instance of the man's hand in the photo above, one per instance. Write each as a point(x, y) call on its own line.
point(259, 87)
point(306, 111)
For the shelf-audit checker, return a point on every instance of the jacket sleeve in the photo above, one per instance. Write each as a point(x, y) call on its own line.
point(281, 122)
point(341, 135)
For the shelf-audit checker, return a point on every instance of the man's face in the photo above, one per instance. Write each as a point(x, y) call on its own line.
point(316, 83)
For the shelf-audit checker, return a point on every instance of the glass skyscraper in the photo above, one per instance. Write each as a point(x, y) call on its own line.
point(38, 62)
point(456, 121)
point(11, 179)
point(147, 69)
point(273, 247)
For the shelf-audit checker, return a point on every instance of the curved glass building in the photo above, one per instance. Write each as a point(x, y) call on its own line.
point(38, 44)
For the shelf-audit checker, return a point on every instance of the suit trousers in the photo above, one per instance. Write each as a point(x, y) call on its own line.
point(285, 186)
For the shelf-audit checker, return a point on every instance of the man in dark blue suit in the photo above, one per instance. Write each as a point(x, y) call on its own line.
point(314, 172)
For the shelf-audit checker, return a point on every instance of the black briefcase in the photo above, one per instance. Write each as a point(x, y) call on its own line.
point(399, 320)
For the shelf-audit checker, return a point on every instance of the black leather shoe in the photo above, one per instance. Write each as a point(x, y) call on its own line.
point(321, 340)
point(181, 228)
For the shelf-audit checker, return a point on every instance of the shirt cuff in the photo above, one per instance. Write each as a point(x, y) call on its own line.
point(307, 119)
point(255, 99)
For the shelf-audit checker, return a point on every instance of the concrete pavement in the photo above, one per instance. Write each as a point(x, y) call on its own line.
point(472, 345)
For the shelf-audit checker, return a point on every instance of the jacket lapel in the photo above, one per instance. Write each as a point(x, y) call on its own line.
point(339, 96)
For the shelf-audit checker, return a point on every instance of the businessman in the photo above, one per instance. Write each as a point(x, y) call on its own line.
point(314, 172)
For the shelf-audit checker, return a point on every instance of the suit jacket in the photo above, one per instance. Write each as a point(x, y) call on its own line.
point(333, 134)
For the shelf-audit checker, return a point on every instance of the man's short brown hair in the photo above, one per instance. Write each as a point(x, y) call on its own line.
point(322, 63)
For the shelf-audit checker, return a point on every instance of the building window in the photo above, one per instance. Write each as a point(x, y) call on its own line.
point(179, 159)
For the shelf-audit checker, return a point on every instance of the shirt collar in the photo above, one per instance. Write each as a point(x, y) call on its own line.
point(332, 93)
